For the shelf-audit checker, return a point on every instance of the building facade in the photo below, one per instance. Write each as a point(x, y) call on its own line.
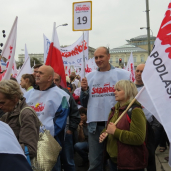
point(139, 48)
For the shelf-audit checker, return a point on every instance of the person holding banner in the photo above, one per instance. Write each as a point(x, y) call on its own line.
point(97, 95)
point(126, 141)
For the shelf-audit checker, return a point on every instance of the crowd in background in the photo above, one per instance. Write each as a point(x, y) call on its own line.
point(81, 123)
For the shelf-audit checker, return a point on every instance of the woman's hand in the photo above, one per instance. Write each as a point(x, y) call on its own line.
point(111, 128)
point(102, 137)
point(81, 123)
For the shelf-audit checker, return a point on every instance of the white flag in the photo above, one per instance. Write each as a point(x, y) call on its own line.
point(130, 67)
point(73, 54)
point(14, 70)
point(9, 51)
point(46, 47)
point(26, 67)
point(157, 75)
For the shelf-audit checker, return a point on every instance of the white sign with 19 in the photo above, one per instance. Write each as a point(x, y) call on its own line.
point(82, 16)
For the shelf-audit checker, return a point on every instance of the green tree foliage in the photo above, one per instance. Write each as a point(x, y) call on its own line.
point(36, 61)
point(32, 61)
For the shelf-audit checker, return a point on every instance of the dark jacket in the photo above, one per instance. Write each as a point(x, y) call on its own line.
point(28, 132)
point(14, 162)
point(74, 116)
point(126, 146)
point(1, 113)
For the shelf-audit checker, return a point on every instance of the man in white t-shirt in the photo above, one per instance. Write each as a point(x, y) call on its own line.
point(98, 97)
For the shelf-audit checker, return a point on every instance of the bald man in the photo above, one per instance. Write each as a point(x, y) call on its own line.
point(138, 72)
point(154, 124)
point(50, 103)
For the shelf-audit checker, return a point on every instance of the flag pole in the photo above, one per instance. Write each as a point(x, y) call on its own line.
point(121, 116)
point(83, 57)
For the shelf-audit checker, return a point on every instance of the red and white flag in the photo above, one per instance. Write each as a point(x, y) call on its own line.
point(130, 67)
point(9, 51)
point(54, 58)
point(14, 70)
point(157, 76)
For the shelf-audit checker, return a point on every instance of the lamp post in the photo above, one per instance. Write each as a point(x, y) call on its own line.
point(62, 25)
point(147, 28)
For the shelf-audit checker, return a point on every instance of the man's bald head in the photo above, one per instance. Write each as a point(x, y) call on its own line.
point(103, 48)
point(49, 70)
point(44, 77)
point(138, 72)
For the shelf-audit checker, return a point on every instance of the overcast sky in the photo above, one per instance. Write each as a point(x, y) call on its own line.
point(114, 21)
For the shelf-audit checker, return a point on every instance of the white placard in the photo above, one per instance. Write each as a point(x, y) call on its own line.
point(82, 16)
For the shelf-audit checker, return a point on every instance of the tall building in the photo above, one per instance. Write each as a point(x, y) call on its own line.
point(137, 45)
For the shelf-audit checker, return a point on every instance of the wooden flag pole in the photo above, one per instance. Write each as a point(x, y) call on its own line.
point(121, 116)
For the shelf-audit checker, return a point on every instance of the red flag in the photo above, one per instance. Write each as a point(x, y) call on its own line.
point(54, 58)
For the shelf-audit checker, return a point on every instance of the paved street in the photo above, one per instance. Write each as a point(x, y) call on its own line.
point(161, 163)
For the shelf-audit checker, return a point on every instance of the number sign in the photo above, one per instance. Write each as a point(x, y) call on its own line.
point(82, 16)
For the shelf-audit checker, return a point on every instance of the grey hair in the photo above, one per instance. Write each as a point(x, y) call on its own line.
point(129, 88)
point(10, 89)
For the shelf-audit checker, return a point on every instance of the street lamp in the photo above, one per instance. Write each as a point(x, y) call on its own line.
point(62, 25)
point(147, 28)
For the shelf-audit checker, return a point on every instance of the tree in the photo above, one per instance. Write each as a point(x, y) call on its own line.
point(34, 60)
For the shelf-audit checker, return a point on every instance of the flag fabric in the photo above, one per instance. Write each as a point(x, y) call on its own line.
point(9, 51)
point(145, 100)
point(130, 67)
point(54, 58)
point(14, 70)
point(26, 67)
point(90, 66)
point(157, 75)
point(46, 47)
point(73, 54)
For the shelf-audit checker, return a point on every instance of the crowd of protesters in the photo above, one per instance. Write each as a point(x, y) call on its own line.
point(81, 117)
